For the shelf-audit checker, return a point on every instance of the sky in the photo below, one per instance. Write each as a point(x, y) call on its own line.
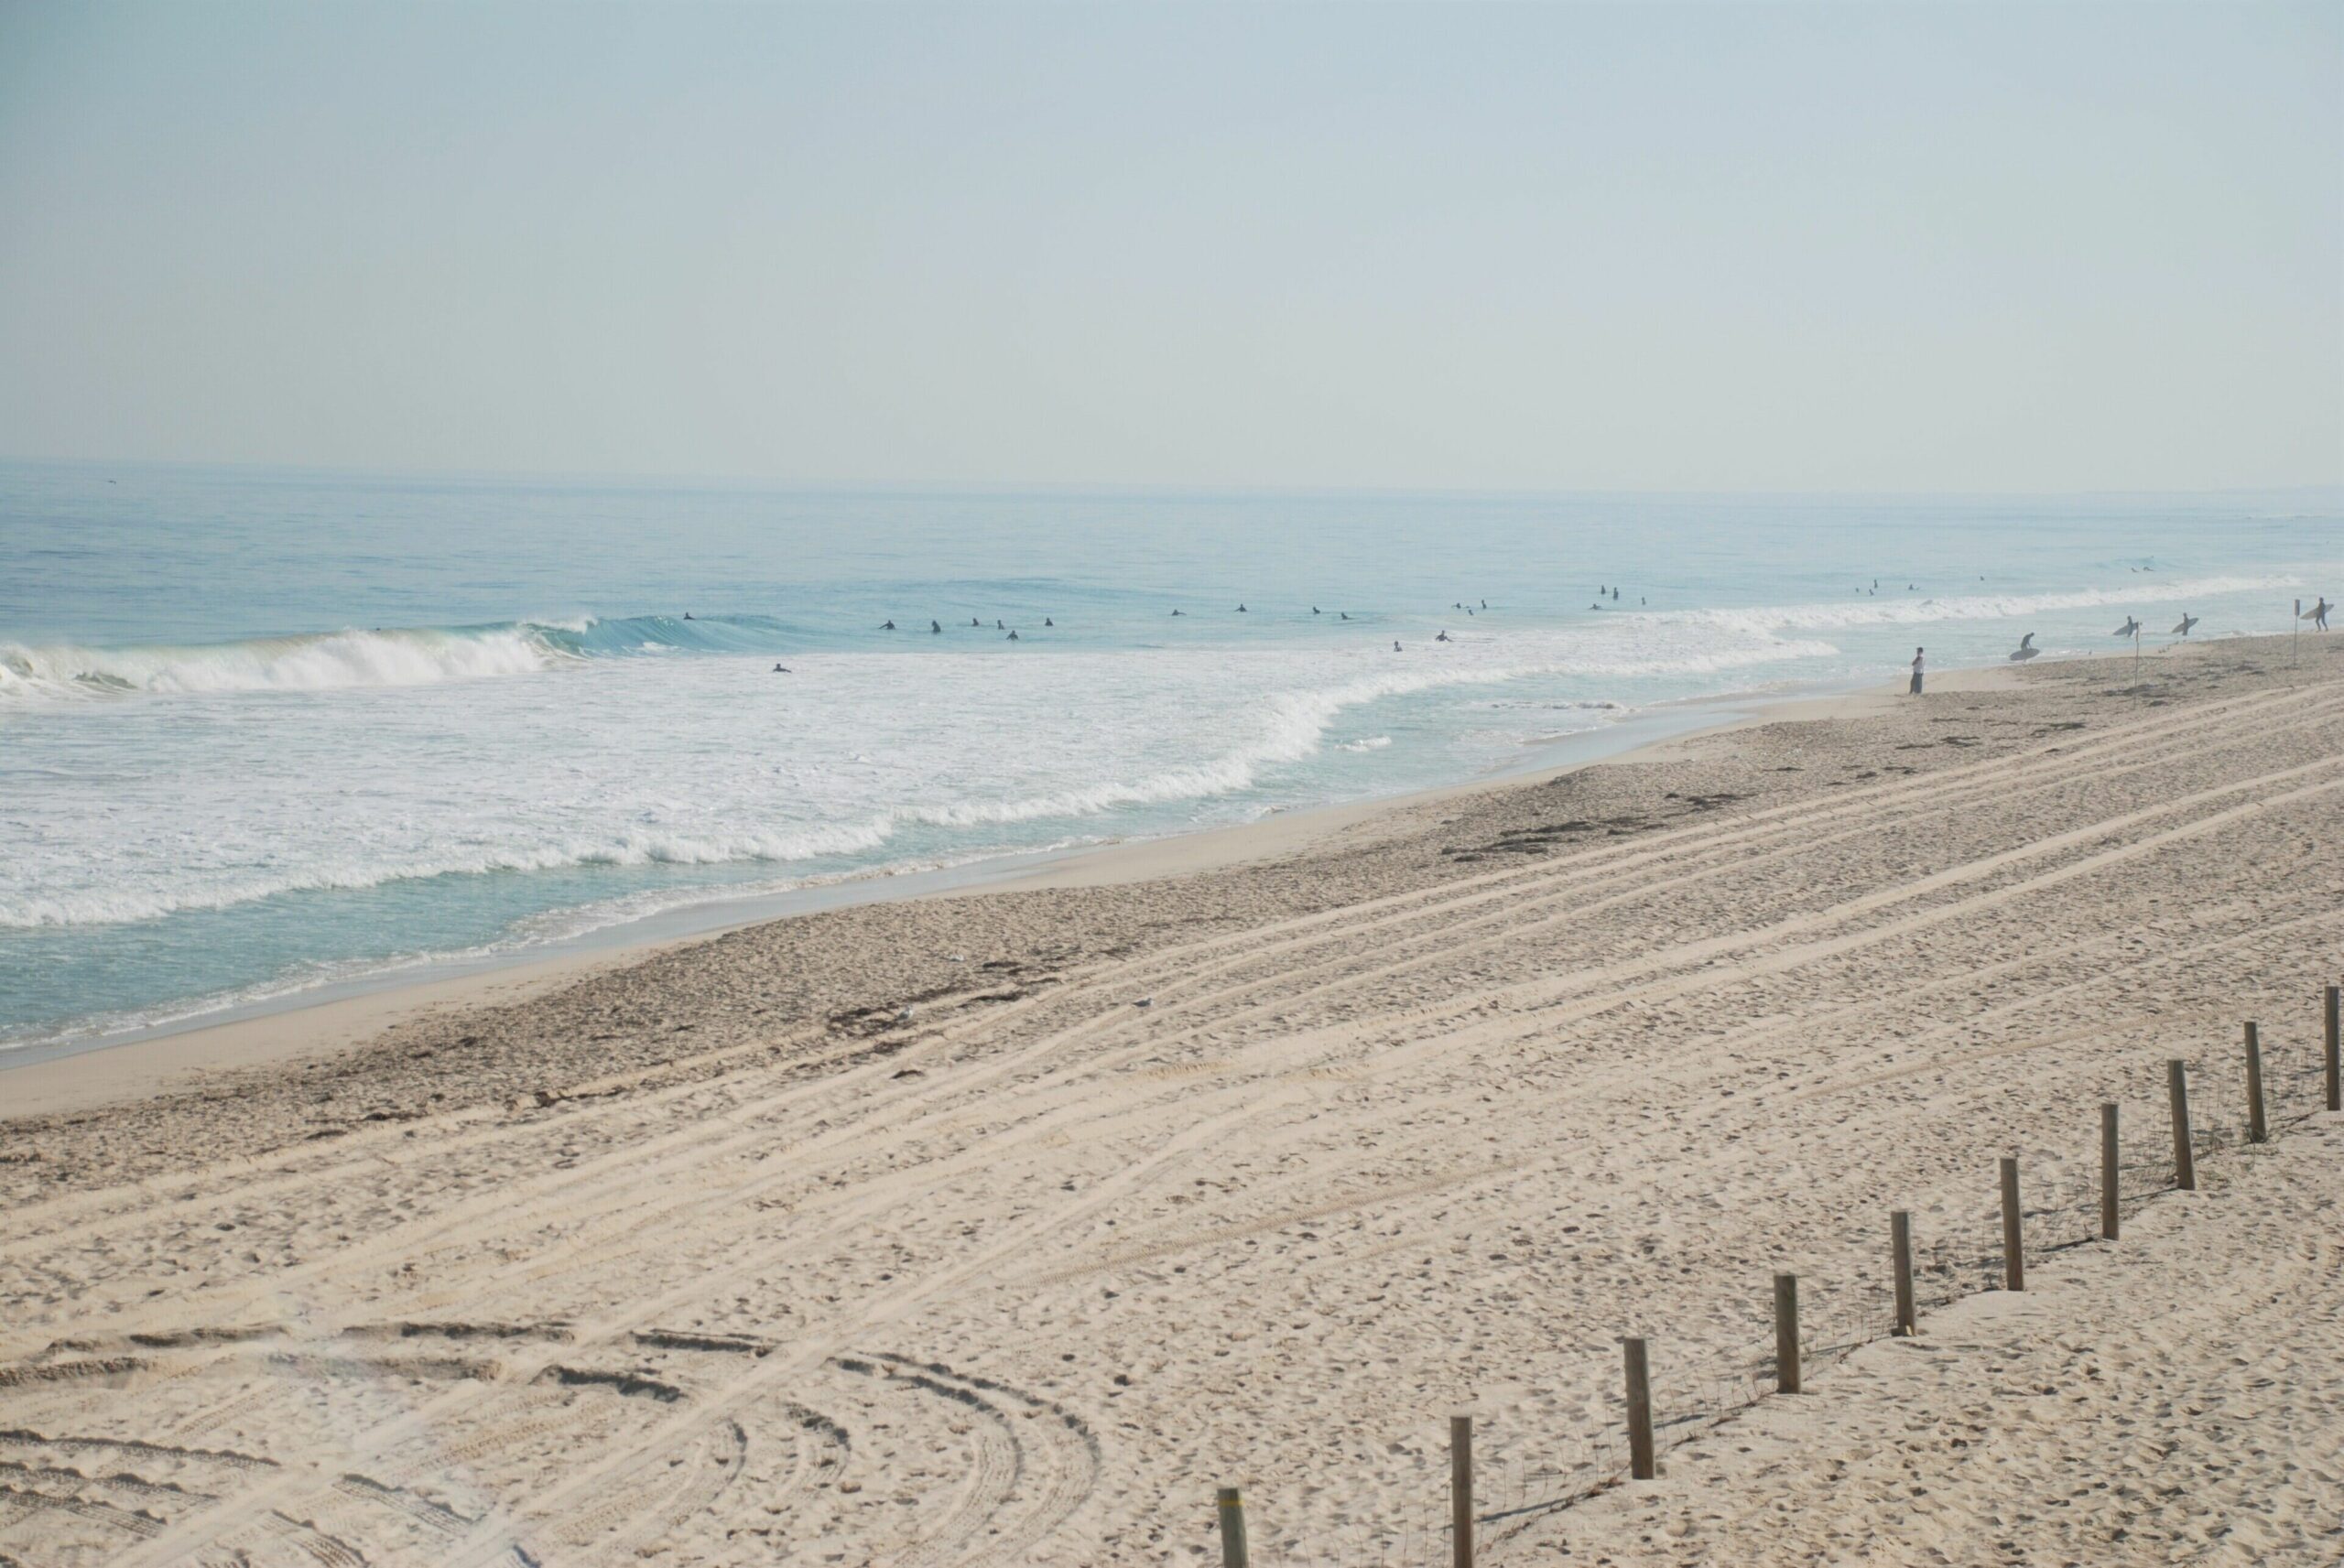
point(1654, 246)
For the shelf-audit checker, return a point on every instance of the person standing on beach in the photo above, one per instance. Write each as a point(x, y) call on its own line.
point(1916, 673)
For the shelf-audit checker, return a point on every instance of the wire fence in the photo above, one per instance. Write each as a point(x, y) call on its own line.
point(1693, 1394)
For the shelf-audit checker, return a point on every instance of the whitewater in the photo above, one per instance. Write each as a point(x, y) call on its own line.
point(264, 732)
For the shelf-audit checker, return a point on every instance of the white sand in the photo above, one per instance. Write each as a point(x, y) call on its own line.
point(2171, 1398)
point(717, 1259)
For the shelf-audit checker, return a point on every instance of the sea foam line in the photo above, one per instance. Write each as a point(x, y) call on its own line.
point(1906, 610)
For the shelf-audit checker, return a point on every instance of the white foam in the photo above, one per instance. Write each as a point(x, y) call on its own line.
point(314, 662)
point(1903, 609)
point(373, 802)
point(117, 905)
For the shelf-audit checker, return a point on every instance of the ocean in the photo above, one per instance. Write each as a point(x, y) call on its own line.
point(268, 732)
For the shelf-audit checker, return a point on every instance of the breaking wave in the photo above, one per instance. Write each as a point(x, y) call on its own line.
point(325, 661)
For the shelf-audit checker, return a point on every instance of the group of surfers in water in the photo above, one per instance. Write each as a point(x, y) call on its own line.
point(1606, 596)
point(935, 628)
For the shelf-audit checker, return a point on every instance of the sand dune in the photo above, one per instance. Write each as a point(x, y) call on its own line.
point(722, 1259)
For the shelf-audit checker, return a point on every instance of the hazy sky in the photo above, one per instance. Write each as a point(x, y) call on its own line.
point(1649, 246)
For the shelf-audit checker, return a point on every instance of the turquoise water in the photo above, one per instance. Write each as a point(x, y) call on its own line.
point(262, 731)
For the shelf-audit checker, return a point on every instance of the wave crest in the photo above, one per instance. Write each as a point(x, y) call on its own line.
point(314, 662)
point(383, 656)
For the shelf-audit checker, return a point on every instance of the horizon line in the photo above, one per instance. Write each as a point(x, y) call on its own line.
point(652, 480)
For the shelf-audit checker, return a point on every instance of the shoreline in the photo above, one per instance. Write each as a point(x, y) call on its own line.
point(41, 1078)
point(1003, 1226)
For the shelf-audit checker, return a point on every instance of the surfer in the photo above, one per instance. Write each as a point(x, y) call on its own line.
point(1179, 612)
point(937, 627)
point(2026, 649)
point(1314, 609)
point(887, 626)
point(2131, 627)
point(1013, 636)
point(1346, 614)
point(1048, 622)
point(974, 622)
point(1241, 609)
point(781, 669)
point(2187, 622)
point(2318, 614)
point(1915, 688)
point(1443, 637)
point(1395, 644)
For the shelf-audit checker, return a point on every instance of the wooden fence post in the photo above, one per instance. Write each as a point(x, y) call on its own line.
point(2108, 1188)
point(2014, 1232)
point(1461, 1489)
point(1900, 1247)
point(1639, 1454)
point(2258, 1130)
point(2176, 1086)
point(1233, 1529)
point(1786, 1332)
point(2335, 1050)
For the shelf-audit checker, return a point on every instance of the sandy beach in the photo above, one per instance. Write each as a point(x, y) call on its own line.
point(1003, 1226)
